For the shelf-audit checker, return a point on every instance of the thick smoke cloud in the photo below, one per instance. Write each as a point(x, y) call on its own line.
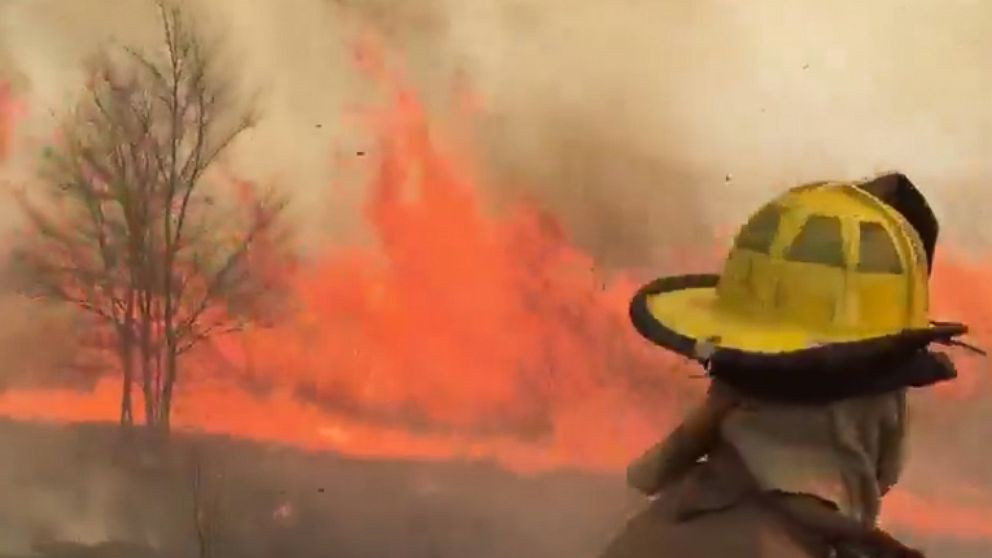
point(639, 123)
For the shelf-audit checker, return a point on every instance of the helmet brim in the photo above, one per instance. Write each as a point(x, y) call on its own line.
point(680, 314)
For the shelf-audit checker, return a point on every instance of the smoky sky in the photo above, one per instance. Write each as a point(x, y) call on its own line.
point(639, 123)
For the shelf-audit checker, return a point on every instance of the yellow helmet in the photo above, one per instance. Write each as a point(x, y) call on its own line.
point(826, 264)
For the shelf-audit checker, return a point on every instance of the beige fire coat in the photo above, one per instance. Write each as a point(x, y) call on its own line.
point(847, 454)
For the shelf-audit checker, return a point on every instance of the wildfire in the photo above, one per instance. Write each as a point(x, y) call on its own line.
point(463, 335)
point(10, 111)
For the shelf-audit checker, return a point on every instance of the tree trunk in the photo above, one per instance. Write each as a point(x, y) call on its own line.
point(125, 339)
point(171, 364)
point(147, 357)
point(159, 374)
point(171, 343)
point(126, 350)
point(159, 336)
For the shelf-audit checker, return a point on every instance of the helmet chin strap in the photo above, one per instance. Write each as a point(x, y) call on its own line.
point(704, 350)
point(952, 341)
point(958, 343)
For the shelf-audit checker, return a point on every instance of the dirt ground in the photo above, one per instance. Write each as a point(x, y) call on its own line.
point(86, 491)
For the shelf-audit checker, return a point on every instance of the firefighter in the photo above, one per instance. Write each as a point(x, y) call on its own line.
point(811, 337)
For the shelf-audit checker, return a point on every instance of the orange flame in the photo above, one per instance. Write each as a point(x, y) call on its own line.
point(938, 518)
point(10, 111)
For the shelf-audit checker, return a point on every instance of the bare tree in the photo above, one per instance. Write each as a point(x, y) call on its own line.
point(128, 231)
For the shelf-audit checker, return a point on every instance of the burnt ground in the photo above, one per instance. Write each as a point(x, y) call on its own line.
point(86, 491)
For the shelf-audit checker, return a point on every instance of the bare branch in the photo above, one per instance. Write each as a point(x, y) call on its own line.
point(213, 330)
point(224, 275)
